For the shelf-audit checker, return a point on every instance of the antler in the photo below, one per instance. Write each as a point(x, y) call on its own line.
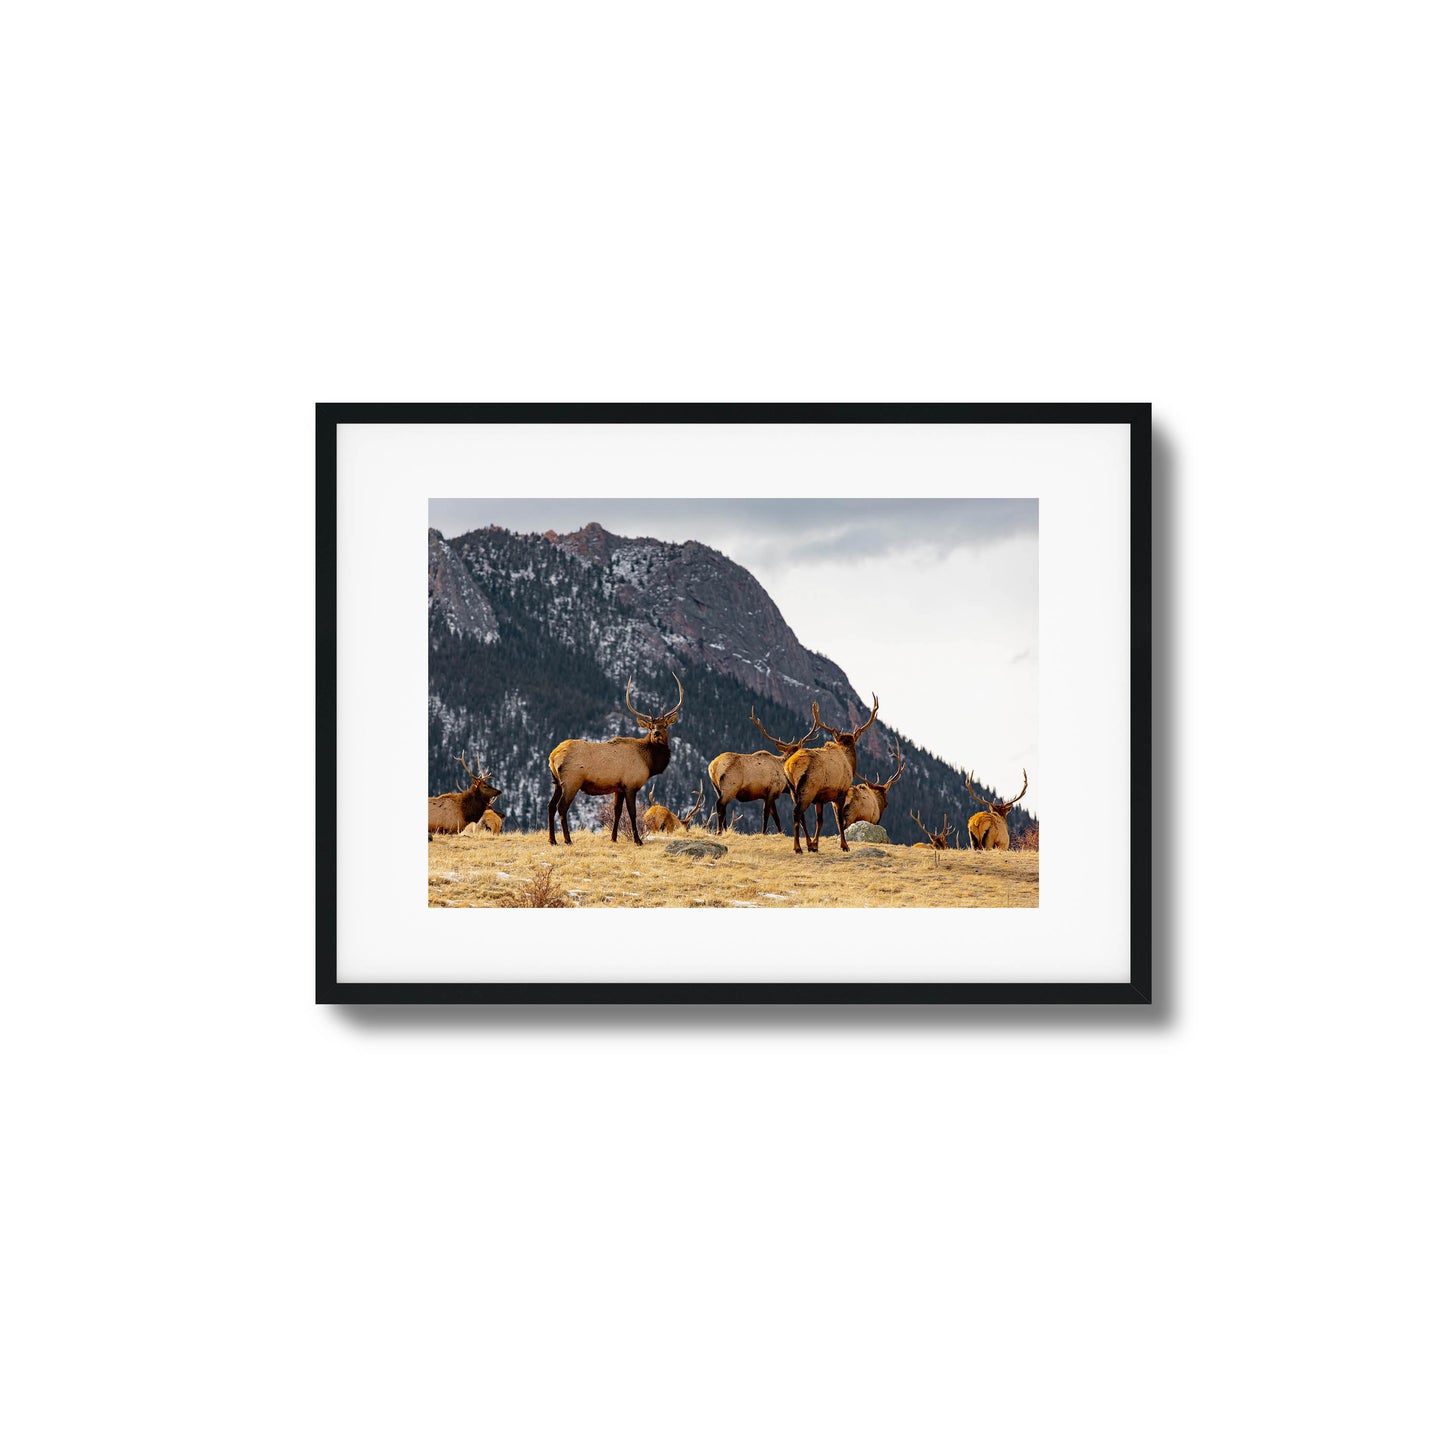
point(641, 717)
point(778, 743)
point(1021, 791)
point(939, 840)
point(858, 732)
point(482, 776)
point(897, 753)
point(665, 718)
point(691, 815)
point(968, 783)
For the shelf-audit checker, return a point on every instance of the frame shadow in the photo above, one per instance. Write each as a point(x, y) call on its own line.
point(1162, 1013)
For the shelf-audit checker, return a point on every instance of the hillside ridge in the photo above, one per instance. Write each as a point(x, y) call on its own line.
point(533, 637)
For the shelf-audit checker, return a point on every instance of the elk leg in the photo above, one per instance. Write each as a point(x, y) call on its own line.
point(552, 815)
point(566, 831)
point(722, 815)
point(799, 817)
point(632, 815)
point(616, 812)
point(838, 809)
point(817, 837)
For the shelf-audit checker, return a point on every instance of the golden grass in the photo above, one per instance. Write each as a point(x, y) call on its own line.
point(498, 872)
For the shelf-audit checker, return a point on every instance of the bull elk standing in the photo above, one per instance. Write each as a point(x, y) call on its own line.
point(663, 820)
point(989, 829)
point(617, 767)
point(824, 775)
point(754, 777)
point(866, 801)
point(451, 812)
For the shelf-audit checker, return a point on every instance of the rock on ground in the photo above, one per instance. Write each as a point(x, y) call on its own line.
point(695, 848)
point(866, 833)
point(841, 857)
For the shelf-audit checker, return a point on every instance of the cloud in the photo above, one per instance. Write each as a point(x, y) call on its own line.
point(789, 531)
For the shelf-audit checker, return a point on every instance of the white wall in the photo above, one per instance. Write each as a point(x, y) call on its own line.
point(236, 1216)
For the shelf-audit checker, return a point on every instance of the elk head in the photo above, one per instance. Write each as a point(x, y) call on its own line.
point(481, 783)
point(785, 749)
point(896, 752)
point(655, 727)
point(989, 829)
point(939, 840)
point(848, 740)
point(999, 810)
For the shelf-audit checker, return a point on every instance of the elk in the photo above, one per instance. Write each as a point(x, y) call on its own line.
point(658, 819)
point(866, 801)
point(616, 768)
point(989, 829)
point(824, 775)
point(451, 812)
point(937, 841)
point(490, 822)
point(754, 777)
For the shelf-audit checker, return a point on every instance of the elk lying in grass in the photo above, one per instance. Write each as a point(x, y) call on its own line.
point(866, 801)
point(989, 829)
point(663, 820)
point(754, 777)
point(490, 822)
point(824, 775)
point(937, 841)
point(451, 812)
point(615, 768)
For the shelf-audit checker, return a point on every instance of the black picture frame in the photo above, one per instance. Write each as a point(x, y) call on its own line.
point(1138, 990)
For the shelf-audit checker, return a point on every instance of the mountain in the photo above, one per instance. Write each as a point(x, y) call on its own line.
point(533, 637)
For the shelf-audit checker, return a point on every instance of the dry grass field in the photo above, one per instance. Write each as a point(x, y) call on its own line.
point(511, 871)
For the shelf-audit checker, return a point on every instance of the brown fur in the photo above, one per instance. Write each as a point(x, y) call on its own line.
point(658, 819)
point(451, 812)
point(824, 775)
point(617, 768)
point(754, 777)
point(866, 801)
point(489, 822)
point(989, 828)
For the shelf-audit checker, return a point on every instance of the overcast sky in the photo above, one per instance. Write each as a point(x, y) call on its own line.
point(931, 603)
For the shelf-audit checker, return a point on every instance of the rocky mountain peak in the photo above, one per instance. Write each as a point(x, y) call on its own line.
point(534, 635)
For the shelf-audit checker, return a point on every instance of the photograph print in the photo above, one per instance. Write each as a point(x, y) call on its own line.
point(733, 703)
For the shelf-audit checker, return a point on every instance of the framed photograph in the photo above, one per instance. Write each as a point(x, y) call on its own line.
point(733, 704)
